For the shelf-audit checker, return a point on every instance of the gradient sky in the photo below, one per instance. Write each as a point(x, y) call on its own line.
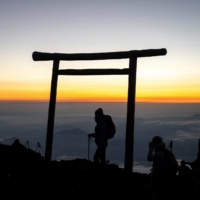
point(90, 26)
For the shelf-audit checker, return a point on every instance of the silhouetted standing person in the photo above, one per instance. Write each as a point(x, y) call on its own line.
point(100, 137)
point(184, 171)
point(196, 164)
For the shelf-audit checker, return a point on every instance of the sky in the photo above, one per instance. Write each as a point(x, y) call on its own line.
point(91, 26)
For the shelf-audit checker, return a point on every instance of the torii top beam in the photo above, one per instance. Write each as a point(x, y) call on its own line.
point(39, 56)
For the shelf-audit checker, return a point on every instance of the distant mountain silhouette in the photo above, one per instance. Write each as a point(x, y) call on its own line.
point(8, 141)
point(194, 117)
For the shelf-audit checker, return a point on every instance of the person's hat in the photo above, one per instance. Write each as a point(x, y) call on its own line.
point(183, 162)
point(99, 111)
point(157, 141)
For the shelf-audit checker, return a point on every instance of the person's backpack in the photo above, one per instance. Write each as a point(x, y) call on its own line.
point(111, 130)
point(170, 162)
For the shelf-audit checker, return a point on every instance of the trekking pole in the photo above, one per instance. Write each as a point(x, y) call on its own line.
point(88, 148)
point(89, 138)
point(27, 143)
point(171, 146)
point(39, 147)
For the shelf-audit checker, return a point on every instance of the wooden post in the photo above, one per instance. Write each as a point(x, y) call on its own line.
point(51, 115)
point(39, 56)
point(85, 72)
point(129, 146)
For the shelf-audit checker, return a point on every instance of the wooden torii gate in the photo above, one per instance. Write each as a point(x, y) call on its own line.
point(131, 71)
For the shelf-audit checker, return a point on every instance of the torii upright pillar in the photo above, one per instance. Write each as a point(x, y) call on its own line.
point(128, 164)
point(51, 114)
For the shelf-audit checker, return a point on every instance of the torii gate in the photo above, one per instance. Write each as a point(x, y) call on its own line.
point(131, 71)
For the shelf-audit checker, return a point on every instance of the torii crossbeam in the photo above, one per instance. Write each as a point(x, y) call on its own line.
point(131, 71)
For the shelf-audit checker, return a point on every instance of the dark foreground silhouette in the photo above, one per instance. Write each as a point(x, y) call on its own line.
point(25, 173)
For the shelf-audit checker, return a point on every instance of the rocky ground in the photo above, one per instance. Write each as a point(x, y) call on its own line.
point(25, 173)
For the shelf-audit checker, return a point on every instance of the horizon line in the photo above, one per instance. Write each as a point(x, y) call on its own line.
point(59, 101)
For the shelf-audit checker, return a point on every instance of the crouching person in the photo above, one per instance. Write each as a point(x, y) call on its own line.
point(164, 167)
point(156, 155)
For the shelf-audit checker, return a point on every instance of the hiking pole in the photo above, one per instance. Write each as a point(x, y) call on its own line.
point(89, 138)
point(171, 146)
point(88, 148)
point(27, 143)
point(39, 147)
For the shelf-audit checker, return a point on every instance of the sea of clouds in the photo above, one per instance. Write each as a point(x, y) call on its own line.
point(27, 121)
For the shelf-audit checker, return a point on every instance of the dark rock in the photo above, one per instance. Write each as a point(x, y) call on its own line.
point(24, 171)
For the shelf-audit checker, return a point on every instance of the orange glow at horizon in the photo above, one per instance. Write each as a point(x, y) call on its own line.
point(25, 95)
point(112, 92)
point(45, 96)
